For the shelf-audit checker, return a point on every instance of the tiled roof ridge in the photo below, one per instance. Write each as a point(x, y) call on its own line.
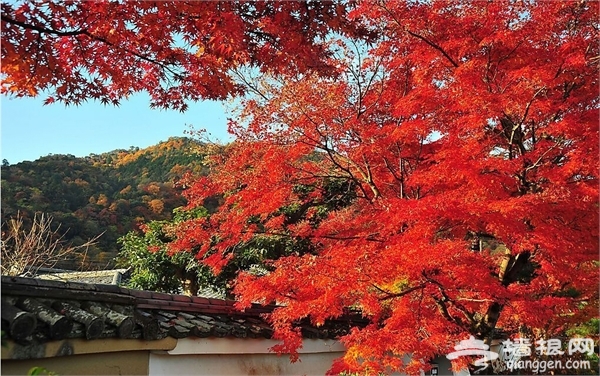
point(45, 288)
point(37, 311)
point(62, 273)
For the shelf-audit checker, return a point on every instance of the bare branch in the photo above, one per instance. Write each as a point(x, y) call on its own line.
point(40, 246)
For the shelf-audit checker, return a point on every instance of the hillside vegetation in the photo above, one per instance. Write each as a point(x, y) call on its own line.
point(108, 194)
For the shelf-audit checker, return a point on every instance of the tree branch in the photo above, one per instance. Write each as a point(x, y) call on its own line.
point(437, 47)
point(44, 30)
point(430, 43)
point(399, 294)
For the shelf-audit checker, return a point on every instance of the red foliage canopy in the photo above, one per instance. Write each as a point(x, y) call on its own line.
point(175, 50)
point(467, 122)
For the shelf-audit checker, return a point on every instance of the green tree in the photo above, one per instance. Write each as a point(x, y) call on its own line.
point(152, 267)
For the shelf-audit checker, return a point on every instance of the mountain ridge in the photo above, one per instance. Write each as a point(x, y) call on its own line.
point(108, 193)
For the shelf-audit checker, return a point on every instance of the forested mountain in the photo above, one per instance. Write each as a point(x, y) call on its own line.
point(108, 194)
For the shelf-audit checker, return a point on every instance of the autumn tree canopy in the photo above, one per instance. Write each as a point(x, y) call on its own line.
point(175, 51)
point(462, 143)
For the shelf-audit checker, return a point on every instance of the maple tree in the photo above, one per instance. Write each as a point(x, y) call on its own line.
point(175, 51)
point(464, 123)
point(468, 122)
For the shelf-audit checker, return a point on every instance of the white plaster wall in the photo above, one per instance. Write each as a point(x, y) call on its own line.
point(240, 364)
point(236, 356)
point(249, 346)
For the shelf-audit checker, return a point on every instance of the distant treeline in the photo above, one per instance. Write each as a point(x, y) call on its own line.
point(109, 193)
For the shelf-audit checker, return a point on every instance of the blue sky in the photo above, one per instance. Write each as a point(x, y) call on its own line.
point(30, 130)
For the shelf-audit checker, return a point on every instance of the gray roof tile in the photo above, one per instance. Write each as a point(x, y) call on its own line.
point(129, 313)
